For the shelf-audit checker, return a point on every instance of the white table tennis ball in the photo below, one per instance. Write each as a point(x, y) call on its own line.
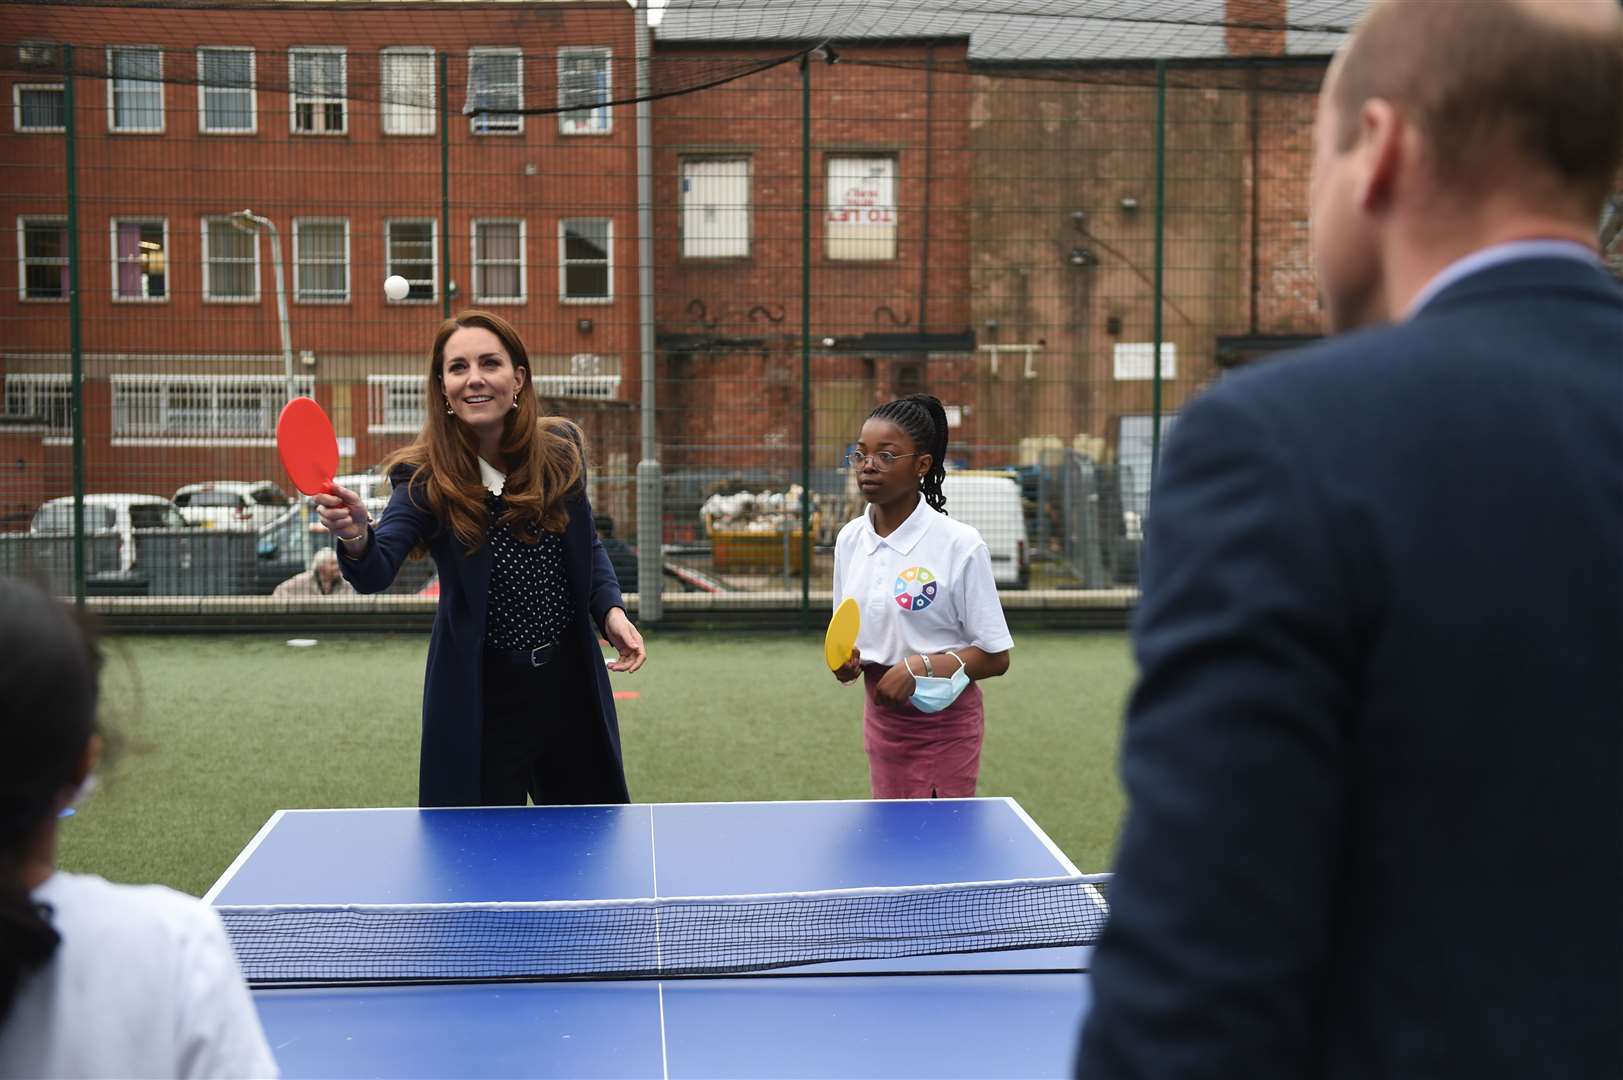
point(396, 287)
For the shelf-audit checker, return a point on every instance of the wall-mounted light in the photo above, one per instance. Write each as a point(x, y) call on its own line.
point(1080, 256)
point(991, 326)
point(1079, 218)
point(583, 325)
point(1129, 204)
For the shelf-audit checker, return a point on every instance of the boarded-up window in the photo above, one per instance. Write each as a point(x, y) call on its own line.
point(716, 208)
point(861, 214)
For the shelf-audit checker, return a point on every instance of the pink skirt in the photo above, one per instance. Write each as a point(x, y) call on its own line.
point(919, 755)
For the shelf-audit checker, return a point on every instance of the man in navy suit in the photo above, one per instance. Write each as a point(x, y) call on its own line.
point(1375, 757)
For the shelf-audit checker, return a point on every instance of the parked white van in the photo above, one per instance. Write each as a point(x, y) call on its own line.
point(115, 513)
point(990, 503)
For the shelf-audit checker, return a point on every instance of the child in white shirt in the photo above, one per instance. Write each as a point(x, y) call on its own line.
point(95, 979)
point(932, 626)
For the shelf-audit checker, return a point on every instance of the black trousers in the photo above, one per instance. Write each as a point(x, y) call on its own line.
point(541, 739)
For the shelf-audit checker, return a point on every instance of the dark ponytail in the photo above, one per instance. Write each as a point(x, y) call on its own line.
point(48, 695)
point(925, 421)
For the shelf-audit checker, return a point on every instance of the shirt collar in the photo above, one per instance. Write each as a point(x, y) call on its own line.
point(1497, 255)
point(905, 537)
point(492, 479)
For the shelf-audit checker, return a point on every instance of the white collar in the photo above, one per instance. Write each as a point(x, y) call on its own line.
point(1497, 255)
point(905, 536)
point(493, 480)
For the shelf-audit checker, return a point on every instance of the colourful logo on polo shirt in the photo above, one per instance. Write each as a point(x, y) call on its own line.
point(915, 589)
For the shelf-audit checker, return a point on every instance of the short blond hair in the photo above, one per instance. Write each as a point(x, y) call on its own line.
point(1483, 78)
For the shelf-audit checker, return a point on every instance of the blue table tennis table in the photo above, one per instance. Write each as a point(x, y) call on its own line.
point(988, 1014)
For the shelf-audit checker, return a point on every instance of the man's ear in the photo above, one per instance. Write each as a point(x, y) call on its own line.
point(1383, 151)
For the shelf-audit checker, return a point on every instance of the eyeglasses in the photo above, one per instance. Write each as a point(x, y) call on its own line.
point(856, 459)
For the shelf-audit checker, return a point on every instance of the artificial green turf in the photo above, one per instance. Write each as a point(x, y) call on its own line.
point(220, 731)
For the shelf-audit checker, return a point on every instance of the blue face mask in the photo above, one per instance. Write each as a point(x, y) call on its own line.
point(931, 695)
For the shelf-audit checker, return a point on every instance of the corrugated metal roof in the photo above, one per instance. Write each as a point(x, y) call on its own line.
point(1008, 30)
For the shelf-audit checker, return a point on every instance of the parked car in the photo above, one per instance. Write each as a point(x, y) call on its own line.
point(990, 503)
point(112, 513)
point(232, 504)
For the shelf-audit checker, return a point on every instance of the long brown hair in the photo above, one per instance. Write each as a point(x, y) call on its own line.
point(542, 455)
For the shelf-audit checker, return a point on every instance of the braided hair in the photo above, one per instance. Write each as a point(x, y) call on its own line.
point(48, 695)
point(925, 421)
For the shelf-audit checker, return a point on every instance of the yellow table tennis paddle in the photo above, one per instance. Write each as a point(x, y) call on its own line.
point(842, 634)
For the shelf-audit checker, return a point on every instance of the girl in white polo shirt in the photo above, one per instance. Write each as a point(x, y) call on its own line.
point(931, 624)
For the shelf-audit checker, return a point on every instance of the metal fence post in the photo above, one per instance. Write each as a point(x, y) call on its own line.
point(75, 334)
point(650, 477)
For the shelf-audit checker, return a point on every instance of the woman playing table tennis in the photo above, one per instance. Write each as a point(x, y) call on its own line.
point(96, 979)
point(516, 701)
point(932, 627)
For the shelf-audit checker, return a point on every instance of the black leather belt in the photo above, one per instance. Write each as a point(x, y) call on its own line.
point(534, 658)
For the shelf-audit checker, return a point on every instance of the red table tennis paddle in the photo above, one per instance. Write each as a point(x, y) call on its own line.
point(308, 446)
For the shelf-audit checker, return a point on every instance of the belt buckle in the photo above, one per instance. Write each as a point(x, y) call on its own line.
point(540, 655)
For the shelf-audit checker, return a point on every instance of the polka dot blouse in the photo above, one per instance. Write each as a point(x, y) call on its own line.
point(530, 605)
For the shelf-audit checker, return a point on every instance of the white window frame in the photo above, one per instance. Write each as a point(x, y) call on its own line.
point(599, 119)
point(749, 205)
point(829, 239)
point(523, 261)
point(208, 293)
point(17, 124)
point(293, 97)
point(37, 385)
point(381, 417)
point(299, 224)
point(23, 261)
point(168, 278)
point(124, 433)
point(564, 264)
point(112, 92)
point(479, 125)
point(252, 90)
point(432, 106)
point(433, 256)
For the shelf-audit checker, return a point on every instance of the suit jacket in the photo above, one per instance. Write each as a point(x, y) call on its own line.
point(453, 701)
point(1375, 756)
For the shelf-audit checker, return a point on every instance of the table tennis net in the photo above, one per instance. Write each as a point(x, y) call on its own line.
point(665, 937)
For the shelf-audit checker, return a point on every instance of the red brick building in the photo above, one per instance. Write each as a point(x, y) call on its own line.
point(331, 122)
point(981, 204)
point(889, 256)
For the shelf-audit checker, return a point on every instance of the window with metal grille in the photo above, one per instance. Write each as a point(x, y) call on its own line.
point(584, 91)
point(42, 257)
point(585, 246)
point(318, 79)
point(135, 89)
point(498, 262)
point(225, 91)
point(321, 260)
point(496, 91)
point(408, 91)
point(140, 259)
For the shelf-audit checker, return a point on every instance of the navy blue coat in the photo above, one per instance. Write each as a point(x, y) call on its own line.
point(1375, 756)
point(453, 698)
